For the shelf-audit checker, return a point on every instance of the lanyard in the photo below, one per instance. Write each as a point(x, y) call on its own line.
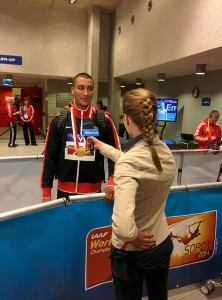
point(209, 131)
point(74, 126)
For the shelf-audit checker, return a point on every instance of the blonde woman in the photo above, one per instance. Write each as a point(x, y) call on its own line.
point(12, 120)
point(141, 245)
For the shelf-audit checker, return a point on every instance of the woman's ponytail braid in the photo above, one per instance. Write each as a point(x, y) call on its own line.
point(148, 131)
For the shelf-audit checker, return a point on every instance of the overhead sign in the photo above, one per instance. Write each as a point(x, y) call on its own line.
point(206, 101)
point(10, 59)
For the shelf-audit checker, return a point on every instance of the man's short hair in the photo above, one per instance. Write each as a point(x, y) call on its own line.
point(84, 75)
point(214, 113)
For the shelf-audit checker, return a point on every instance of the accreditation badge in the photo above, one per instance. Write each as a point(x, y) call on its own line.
point(80, 150)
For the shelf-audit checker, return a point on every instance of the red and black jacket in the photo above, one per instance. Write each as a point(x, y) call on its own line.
point(75, 177)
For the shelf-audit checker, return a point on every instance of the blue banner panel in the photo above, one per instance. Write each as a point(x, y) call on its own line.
point(62, 253)
point(199, 258)
point(10, 59)
point(43, 253)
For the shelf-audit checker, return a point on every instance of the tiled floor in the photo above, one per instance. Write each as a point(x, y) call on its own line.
point(22, 149)
point(194, 292)
point(183, 293)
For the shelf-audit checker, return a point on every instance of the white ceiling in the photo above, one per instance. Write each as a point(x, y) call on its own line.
point(106, 5)
point(182, 67)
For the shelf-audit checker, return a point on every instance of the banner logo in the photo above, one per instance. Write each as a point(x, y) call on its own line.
point(193, 237)
point(90, 132)
point(98, 265)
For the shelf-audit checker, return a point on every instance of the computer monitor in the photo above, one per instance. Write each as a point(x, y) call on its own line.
point(167, 110)
point(7, 82)
point(187, 137)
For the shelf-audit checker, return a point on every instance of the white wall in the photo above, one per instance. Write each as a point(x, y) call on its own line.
point(174, 29)
point(50, 41)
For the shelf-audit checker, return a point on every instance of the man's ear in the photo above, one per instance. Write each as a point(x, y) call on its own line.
point(72, 90)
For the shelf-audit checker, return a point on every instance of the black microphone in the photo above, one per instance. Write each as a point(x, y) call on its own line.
point(87, 125)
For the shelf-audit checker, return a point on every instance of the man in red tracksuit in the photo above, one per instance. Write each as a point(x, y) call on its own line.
point(208, 130)
point(68, 157)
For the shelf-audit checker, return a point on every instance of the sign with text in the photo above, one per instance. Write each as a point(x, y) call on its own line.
point(193, 237)
point(10, 59)
point(98, 266)
point(63, 100)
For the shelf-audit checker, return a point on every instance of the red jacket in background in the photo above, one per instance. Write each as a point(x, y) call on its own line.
point(11, 109)
point(27, 114)
point(204, 131)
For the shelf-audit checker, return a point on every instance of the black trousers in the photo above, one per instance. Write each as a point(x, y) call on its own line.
point(12, 137)
point(29, 127)
point(130, 269)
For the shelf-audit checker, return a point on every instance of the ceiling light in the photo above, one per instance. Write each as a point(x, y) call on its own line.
point(200, 69)
point(72, 1)
point(138, 81)
point(150, 5)
point(69, 81)
point(161, 76)
point(123, 84)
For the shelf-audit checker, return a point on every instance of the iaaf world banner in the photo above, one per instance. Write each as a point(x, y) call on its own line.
point(63, 252)
point(193, 236)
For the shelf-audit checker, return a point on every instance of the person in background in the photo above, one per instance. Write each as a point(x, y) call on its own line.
point(99, 105)
point(76, 176)
point(27, 115)
point(162, 112)
point(105, 109)
point(208, 130)
point(12, 120)
point(17, 104)
point(141, 245)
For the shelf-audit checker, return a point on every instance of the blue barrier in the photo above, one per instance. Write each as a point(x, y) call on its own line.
point(61, 253)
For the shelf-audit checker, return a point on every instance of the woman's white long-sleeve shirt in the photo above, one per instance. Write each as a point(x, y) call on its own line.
point(140, 191)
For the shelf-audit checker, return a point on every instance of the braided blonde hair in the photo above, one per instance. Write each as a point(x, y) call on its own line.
point(140, 105)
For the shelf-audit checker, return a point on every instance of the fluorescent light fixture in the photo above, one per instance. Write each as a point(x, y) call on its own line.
point(200, 69)
point(72, 1)
point(161, 76)
point(69, 81)
point(138, 81)
point(123, 84)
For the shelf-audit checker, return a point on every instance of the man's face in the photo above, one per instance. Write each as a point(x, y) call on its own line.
point(83, 92)
point(214, 119)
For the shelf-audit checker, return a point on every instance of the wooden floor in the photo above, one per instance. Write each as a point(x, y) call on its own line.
point(183, 293)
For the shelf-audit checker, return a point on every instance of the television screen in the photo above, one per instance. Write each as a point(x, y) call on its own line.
point(7, 82)
point(167, 110)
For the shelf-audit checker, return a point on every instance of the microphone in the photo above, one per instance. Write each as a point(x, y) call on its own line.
point(88, 130)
